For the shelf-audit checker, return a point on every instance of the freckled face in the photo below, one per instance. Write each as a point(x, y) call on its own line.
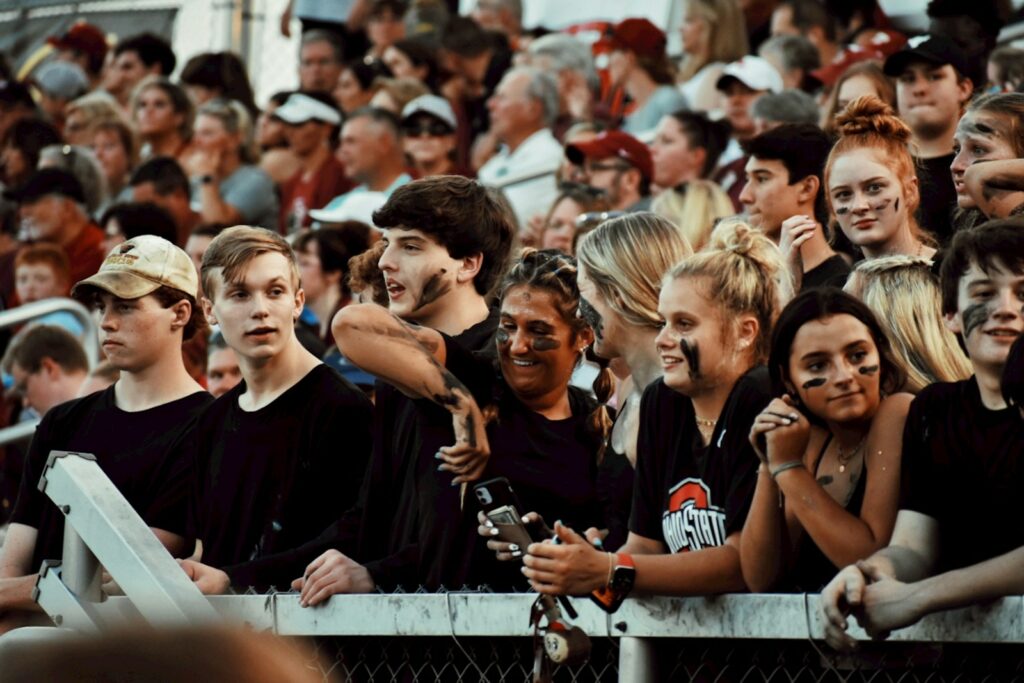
point(834, 369)
point(868, 199)
point(537, 348)
point(979, 137)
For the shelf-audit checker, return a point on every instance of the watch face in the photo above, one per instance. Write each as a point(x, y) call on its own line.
point(623, 579)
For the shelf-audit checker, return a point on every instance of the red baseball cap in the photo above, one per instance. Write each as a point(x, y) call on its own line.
point(639, 36)
point(613, 143)
point(829, 74)
point(83, 37)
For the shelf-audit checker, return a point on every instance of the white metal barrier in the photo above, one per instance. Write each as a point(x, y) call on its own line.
point(102, 528)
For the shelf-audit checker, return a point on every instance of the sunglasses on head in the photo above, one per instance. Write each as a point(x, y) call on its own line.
point(426, 128)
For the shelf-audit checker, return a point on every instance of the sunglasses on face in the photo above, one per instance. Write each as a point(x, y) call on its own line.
point(426, 129)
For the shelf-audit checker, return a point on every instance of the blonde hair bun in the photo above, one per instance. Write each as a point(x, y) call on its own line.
point(867, 114)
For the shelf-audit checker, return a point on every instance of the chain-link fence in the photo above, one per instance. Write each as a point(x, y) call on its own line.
point(510, 660)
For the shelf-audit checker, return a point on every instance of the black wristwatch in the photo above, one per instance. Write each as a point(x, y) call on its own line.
point(206, 179)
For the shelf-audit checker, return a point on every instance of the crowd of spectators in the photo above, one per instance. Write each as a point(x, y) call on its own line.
point(740, 319)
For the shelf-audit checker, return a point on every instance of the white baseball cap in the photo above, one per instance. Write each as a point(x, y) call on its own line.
point(300, 108)
point(437, 107)
point(354, 206)
point(753, 72)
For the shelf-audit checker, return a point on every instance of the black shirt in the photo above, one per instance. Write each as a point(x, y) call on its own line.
point(550, 464)
point(832, 272)
point(271, 479)
point(938, 197)
point(377, 527)
point(138, 451)
point(962, 466)
point(688, 495)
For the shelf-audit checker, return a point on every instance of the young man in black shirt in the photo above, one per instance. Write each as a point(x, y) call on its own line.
point(438, 274)
point(785, 198)
point(145, 294)
point(932, 87)
point(961, 518)
point(448, 243)
point(282, 454)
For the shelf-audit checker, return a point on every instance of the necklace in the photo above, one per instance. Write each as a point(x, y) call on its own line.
point(705, 422)
point(844, 457)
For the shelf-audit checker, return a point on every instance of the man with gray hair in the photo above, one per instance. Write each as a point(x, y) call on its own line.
point(795, 57)
point(523, 109)
point(51, 204)
point(320, 60)
point(573, 65)
point(789, 106)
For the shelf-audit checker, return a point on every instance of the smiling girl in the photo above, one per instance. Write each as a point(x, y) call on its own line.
point(695, 469)
point(872, 189)
point(829, 445)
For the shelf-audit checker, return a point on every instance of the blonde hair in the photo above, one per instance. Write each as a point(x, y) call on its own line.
point(745, 273)
point(904, 295)
point(694, 210)
point(96, 107)
point(233, 249)
point(626, 259)
point(236, 120)
point(401, 90)
point(727, 35)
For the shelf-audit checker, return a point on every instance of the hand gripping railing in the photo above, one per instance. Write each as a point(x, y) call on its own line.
point(38, 309)
point(101, 527)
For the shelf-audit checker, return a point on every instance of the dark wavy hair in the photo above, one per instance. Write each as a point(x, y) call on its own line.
point(823, 302)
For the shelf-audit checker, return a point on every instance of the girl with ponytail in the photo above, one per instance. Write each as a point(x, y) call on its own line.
point(872, 187)
point(695, 469)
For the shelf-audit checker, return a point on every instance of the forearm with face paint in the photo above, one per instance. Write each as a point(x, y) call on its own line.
point(409, 357)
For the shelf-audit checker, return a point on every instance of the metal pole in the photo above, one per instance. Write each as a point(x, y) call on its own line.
point(79, 567)
point(636, 660)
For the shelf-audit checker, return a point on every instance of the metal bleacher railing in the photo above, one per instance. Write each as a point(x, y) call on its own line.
point(38, 309)
point(478, 636)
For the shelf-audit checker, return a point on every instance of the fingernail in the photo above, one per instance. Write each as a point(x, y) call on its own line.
point(488, 523)
point(513, 546)
point(517, 553)
point(598, 543)
point(455, 483)
point(440, 468)
point(494, 532)
point(526, 519)
point(438, 456)
point(523, 569)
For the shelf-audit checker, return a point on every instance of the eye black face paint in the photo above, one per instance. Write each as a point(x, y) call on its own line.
point(974, 316)
point(881, 206)
point(896, 208)
point(433, 289)
point(812, 383)
point(691, 353)
point(593, 318)
point(501, 337)
point(545, 344)
point(842, 211)
point(868, 370)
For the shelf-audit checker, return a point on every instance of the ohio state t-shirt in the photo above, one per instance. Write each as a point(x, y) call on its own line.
point(690, 495)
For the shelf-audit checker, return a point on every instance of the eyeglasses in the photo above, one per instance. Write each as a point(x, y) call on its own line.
point(592, 219)
point(569, 187)
point(597, 168)
point(432, 129)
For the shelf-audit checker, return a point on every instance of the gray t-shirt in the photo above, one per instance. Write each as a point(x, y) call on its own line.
point(249, 190)
point(665, 100)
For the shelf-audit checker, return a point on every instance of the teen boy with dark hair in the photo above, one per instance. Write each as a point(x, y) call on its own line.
point(282, 454)
point(961, 518)
point(438, 274)
point(784, 197)
point(144, 294)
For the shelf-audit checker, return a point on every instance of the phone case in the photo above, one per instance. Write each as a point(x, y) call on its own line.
point(513, 533)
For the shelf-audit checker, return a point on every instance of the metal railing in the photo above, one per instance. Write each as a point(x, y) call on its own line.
point(486, 636)
point(38, 309)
